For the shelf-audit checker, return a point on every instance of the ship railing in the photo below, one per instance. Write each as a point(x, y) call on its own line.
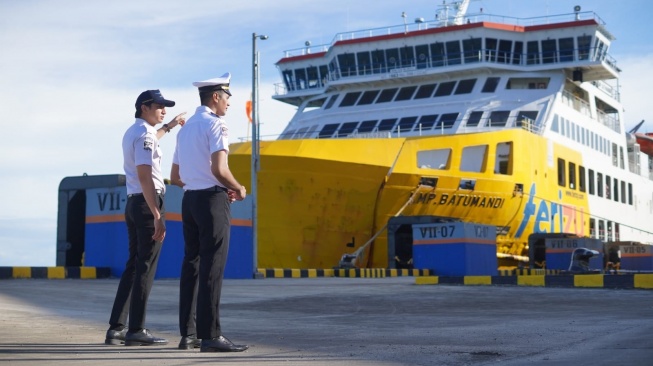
point(607, 89)
point(609, 120)
point(439, 23)
point(576, 103)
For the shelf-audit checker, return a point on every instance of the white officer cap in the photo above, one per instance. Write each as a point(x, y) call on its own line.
point(221, 83)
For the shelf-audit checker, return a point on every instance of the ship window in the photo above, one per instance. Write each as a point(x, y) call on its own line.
point(300, 133)
point(426, 122)
point(364, 63)
point(425, 91)
point(445, 89)
point(472, 48)
point(387, 124)
point(630, 194)
point(367, 126)
point(333, 70)
point(623, 191)
point(324, 74)
point(350, 99)
point(572, 175)
point(310, 131)
point(474, 118)
point(437, 54)
point(447, 120)
point(527, 83)
point(315, 103)
point(607, 186)
point(406, 93)
point(473, 159)
point(581, 178)
point(300, 79)
point(287, 135)
point(433, 159)
point(490, 85)
point(407, 56)
point(601, 230)
point(548, 51)
point(422, 52)
point(599, 184)
point(566, 47)
point(453, 52)
point(584, 47)
point(331, 101)
point(406, 124)
point(347, 63)
point(590, 180)
point(505, 47)
point(368, 97)
point(498, 118)
point(555, 124)
point(614, 154)
point(313, 78)
point(503, 161)
point(347, 128)
point(328, 130)
point(615, 188)
point(592, 227)
point(517, 53)
point(490, 49)
point(387, 95)
point(532, 53)
point(392, 58)
point(562, 174)
point(378, 61)
point(287, 79)
point(527, 119)
point(465, 86)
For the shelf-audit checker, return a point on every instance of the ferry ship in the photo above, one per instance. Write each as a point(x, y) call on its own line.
point(477, 118)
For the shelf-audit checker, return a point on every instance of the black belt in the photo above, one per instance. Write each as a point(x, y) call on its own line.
point(210, 189)
point(158, 191)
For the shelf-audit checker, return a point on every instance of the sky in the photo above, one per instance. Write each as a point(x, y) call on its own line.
point(70, 72)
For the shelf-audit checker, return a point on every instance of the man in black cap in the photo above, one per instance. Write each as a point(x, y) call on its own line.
point(200, 167)
point(145, 219)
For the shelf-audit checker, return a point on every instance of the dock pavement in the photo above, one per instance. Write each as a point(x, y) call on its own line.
point(338, 321)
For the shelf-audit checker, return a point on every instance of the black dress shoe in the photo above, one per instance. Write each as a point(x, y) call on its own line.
point(220, 344)
point(189, 342)
point(143, 338)
point(115, 337)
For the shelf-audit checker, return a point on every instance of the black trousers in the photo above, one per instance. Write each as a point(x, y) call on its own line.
point(136, 281)
point(206, 218)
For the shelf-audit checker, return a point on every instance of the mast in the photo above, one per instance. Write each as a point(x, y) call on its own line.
point(459, 6)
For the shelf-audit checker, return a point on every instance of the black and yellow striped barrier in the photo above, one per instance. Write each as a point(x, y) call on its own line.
point(621, 281)
point(55, 272)
point(346, 272)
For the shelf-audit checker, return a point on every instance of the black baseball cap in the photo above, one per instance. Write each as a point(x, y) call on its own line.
point(153, 96)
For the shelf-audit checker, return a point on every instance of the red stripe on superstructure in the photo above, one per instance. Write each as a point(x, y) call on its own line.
point(452, 28)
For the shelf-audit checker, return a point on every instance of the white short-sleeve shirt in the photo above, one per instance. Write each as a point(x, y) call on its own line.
point(203, 134)
point(141, 147)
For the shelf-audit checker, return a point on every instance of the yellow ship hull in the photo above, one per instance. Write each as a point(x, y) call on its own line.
point(318, 195)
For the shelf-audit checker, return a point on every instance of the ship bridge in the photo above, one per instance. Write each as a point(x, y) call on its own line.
point(577, 43)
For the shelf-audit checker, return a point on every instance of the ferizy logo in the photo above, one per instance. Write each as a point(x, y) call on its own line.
point(550, 216)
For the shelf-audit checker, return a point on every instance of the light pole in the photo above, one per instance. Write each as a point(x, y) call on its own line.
point(255, 153)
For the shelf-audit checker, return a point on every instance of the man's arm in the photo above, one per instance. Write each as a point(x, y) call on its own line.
point(149, 192)
point(175, 178)
point(221, 171)
point(178, 120)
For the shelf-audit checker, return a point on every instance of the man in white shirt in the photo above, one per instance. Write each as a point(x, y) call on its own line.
point(145, 219)
point(200, 167)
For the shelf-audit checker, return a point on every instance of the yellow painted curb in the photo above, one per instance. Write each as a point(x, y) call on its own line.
point(643, 280)
point(535, 280)
point(478, 280)
point(426, 280)
point(590, 280)
point(57, 272)
point(22, 272)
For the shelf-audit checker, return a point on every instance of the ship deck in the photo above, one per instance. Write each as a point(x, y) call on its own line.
point(338, 321)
